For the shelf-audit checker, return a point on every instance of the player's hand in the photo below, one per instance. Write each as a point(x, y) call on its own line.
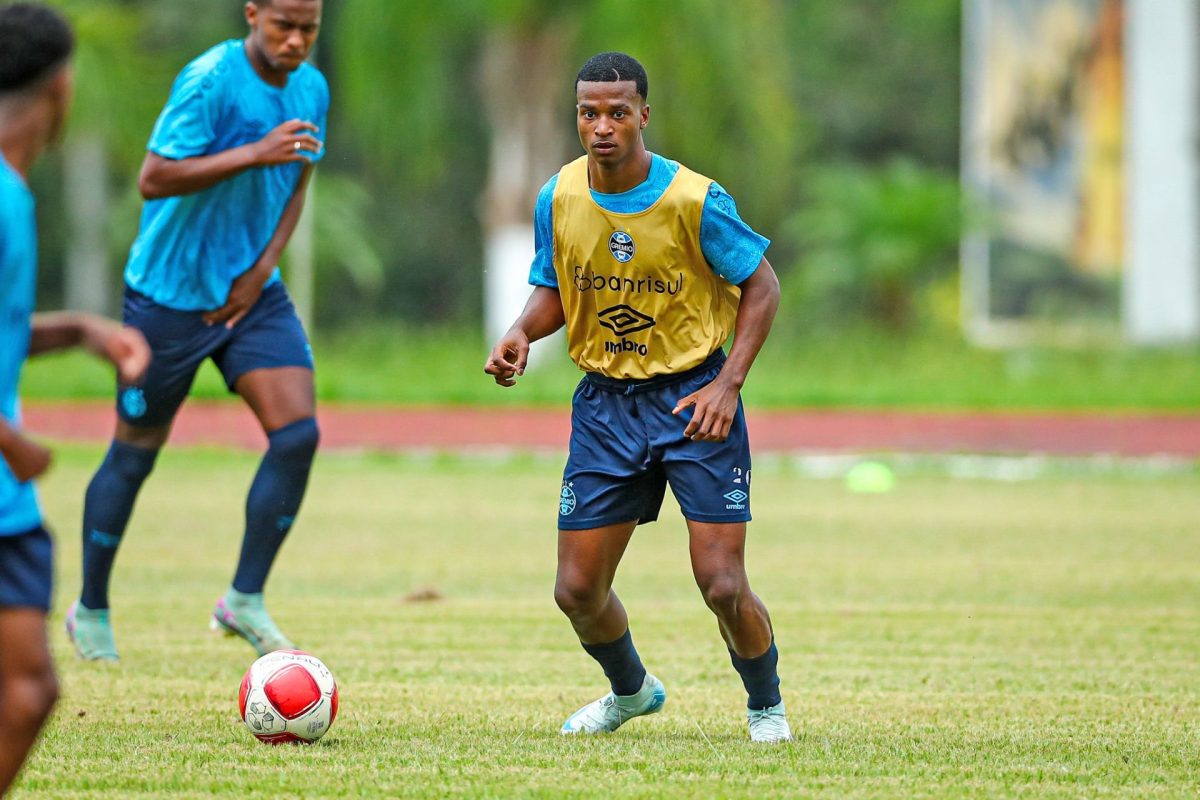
point(508, 358)
point(243, 294)
point(124, 347)
point(714, 406)
point(25, 458)
point(287, 143)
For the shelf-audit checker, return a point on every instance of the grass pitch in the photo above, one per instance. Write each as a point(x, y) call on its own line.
point(950, 639)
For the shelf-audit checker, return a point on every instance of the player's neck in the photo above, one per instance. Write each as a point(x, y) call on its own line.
point(22, 136)
point(617, 178)
point(275, 77)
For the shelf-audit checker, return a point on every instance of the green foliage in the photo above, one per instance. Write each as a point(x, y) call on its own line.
point(949, 639)
point(871, 238)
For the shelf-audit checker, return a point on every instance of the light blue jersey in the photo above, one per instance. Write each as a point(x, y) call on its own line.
point(190, 249)
point(730, 246)
point(19, 511)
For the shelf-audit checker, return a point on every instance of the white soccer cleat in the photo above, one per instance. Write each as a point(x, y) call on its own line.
point(612, 711)
point(769, 725)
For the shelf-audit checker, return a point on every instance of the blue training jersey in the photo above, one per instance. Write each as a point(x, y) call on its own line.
point(190, 249)
point(19, 511)
point(730, 246)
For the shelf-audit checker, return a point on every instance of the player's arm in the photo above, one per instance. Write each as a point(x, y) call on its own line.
point(716, 403)
point(123, 347)
point(167, 177)
point(244, 292)
point(543, 315)
point(25, 458)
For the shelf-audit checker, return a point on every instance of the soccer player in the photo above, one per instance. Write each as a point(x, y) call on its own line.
point(35, 91)
point(651, 269)
point(224, 182)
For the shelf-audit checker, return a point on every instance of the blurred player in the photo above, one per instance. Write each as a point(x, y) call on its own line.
point(35, 91)
point(224, 180)
point(650, 268)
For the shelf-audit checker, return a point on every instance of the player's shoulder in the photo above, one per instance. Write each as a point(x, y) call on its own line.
point(208, 69)
point(310, 79)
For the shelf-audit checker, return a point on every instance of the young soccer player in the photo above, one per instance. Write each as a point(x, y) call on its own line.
point(224, 182)
point(35, 91)
point(650, 268)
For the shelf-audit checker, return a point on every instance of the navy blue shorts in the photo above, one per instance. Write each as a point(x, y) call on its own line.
point(626, 446)
point(27, 570)
point(270, 335)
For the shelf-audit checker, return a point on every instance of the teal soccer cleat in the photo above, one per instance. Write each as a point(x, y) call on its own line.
point(91, 633)
point(769, 725)
point(245, 615)
point(612, 711)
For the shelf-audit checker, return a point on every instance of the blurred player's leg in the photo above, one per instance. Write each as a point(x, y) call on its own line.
point(28, 688)
point(283, 399)
point(718, 563)
point(587, 564)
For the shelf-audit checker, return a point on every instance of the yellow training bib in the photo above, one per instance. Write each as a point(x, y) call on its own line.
point(640, 298)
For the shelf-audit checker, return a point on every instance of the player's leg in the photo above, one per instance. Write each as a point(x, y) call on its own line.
point(587, 564)
point(28, 687)
point(269, 363)
point(179, 342)
point(718, 563)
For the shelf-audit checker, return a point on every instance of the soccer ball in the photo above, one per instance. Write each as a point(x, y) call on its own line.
point(288, 696)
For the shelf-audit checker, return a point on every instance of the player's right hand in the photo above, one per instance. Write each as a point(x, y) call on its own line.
point(26, 458)
point(287, 143)
point(508, 358)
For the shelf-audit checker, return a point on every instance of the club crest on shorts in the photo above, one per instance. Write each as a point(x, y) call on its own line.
point(621, 245)
point(133, 402)
point(566, 501)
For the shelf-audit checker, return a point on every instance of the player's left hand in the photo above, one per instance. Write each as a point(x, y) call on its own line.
point(243, 294)
point(122, 346)
point(715, 405)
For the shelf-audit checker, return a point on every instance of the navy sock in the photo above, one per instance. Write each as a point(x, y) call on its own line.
point(106, 509)
point(274, 500)
point(621, 664)
point(760, 676)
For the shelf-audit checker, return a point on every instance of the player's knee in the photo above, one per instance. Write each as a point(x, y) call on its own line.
point(28, 699)
point(723, 592)
point(132, 462)
point(577, 599)
point(296, 441)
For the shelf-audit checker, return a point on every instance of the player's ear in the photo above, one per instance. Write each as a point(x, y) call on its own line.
point(251, 11)
point(645, 115)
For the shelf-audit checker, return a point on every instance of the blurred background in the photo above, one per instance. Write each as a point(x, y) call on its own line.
point(949, 185)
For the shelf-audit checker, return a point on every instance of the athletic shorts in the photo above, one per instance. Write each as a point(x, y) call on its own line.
point(270, 335)
point(27, 570)
point(626, 446)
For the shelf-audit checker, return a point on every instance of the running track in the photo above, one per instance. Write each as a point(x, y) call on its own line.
point(465, 429)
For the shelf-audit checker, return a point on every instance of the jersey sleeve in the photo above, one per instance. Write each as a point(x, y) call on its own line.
point(188, 123)
point(732, 248)
point(321, 90)
point(541, 272)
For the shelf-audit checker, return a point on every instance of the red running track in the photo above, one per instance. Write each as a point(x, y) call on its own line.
point(374, 428)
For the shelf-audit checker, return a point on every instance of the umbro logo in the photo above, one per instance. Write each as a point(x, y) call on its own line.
point(737, 499)
point(623, 320)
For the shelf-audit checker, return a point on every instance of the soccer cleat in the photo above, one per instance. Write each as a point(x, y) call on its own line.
point(245, 615)
point(612, 711)
point(769, 724)
point(91, 633)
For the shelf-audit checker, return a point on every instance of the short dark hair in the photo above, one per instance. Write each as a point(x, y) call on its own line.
point(34, 40)
point(611, 67)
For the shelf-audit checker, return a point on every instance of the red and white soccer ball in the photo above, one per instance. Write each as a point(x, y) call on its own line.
point(288, 696)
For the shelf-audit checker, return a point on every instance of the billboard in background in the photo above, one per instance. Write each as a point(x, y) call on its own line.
point(1043, 162)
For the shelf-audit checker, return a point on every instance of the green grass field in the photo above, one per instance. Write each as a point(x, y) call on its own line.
point(950, 639)
point(862, 369)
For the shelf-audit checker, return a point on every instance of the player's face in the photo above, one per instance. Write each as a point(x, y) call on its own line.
point(610, 118)
point(285, 31)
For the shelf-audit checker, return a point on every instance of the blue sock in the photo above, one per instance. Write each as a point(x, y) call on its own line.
point(621, 664)
point(760, 676)
point(274, 500)
point(106, 509)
